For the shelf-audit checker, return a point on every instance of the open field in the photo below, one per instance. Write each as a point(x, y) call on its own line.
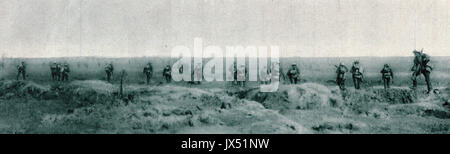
point(87, 104)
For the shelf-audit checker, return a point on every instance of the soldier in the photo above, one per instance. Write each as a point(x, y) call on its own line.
point(167, 73)
point(340, 78)
point(109, 69)
point(54, 71)
point(357, 74)
point(65, 72)
point(241, 75)
point(198, 70)
point(265, 75)
point(58, 72)
point(21, 68)
point(148, 71)
point(421, 66)
point(387, 75)
point(233, 70)
point(293, 73)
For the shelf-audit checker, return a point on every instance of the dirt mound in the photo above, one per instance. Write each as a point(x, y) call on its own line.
point(13, 88)
point(87, 92)
point(304, 96)
point(173, 109)
point(396, 95)
point(79, 92)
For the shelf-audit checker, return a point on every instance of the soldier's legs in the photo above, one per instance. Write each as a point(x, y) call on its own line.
point(167, 79)
point(23, 75)
point(54, 76)
point(63, 77)
point(343, 84)
point(148, 79)
point(414, 79)
point(340, 84)
point(358, 82)
point(388, 82)
point(426, 74)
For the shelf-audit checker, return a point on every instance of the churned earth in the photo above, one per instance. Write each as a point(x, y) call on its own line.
point(94, 106)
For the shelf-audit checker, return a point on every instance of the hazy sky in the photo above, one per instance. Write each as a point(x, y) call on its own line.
point(318, 28)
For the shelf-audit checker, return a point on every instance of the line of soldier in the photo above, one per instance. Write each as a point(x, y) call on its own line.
point(420, 66)
point(167, 74)
point(60, 72)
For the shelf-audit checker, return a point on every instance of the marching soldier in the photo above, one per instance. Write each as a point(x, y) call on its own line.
point(21, 68)
point(387, 75)
point(241, 75)
point(167, 73)
point(54, 71)
point(148, 71)
point(340, 78)
point(233, 71)
point(421, 66)
point(198, 73)
point(65, 72)
point(109, 69)
point(293, 73)
point(357, 74)
point(265, 75)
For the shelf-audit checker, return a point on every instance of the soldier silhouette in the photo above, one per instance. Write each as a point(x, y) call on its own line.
point(109, 69)
point(387, 76)
point(167, 73)
point(293, 74)
point(54, 71)
point(421, 66)
point(65, 70)
point(341, 69)
point(148, 71)
point(357, 74)
point(21, 71)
